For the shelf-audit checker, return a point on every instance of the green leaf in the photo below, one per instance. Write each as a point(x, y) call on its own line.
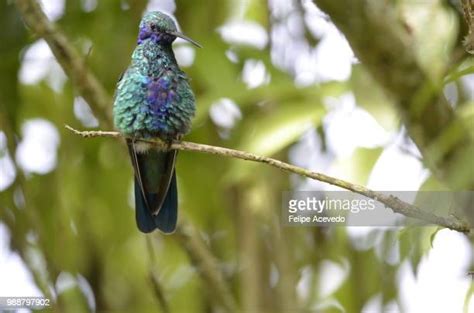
point(358, 167)
point(370, 96)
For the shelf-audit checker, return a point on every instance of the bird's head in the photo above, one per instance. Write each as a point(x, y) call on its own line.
point(161, 29)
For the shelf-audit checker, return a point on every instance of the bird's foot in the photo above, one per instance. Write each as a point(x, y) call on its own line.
point(168, 144)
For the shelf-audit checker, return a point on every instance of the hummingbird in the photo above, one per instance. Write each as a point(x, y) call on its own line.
point(153, 99)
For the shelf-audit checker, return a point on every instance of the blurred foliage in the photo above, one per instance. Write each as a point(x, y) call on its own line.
point(77, 222)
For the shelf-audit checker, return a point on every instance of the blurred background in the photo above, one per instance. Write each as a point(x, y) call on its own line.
point(275, 78)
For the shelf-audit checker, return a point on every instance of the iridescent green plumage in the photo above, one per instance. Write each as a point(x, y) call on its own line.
point(154, 99)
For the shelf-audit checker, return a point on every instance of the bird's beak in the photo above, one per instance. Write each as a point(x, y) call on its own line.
point(182, 36)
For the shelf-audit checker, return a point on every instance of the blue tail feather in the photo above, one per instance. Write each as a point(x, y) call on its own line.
point(156, 195)
point(168, 215)
point(166, 218)
point(143, 216)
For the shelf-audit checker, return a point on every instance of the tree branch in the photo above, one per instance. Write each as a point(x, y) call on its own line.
point(392, 202)
point(69, 59)
point(386, 47)
point(208, 266)
point(468, 10)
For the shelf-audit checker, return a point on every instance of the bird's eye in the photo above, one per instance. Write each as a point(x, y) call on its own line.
point(153, 27)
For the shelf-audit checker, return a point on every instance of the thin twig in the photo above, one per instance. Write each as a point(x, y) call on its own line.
point(390, 201)
point(456, 75)
point(154, 279)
